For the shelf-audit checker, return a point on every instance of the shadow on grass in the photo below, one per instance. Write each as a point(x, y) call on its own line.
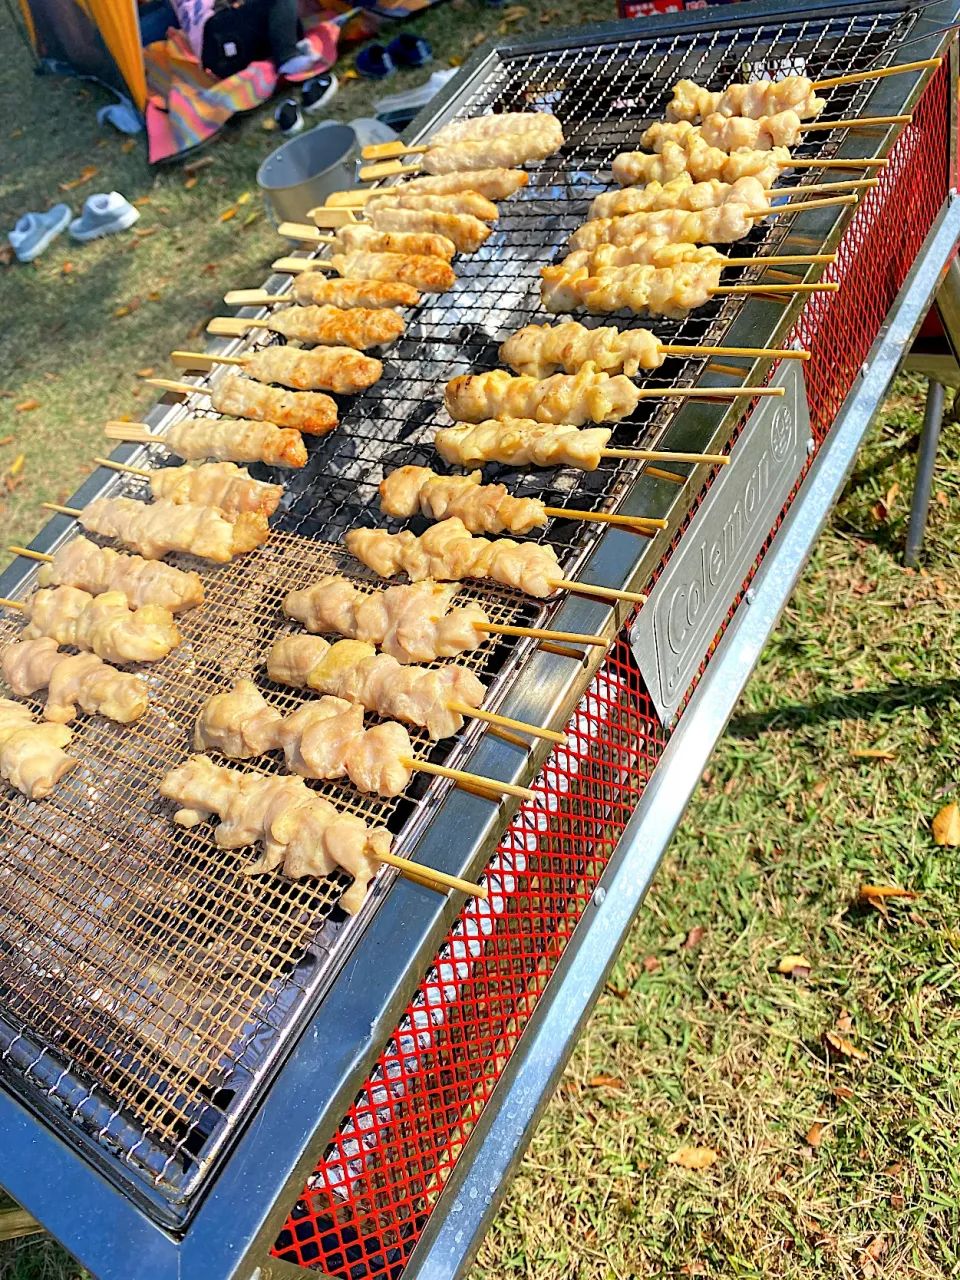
point(850, 706)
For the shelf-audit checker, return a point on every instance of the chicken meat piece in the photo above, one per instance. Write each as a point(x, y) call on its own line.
point(378, 760)
point(539, 350)
point(493, 126)
point(300, 831)
point(72, 680)
point(104, 624)
point(538, 140)
point(329, 605)
point(307, 411)
point(679, 193)
point(483, 508)
point(586, 396)
point(216, 484)
point(162, 526)
point(233, 440)
point(361, 328)
point(702, 163)
point(651, 250)
point(520, 442)
point(449, 552)
point(374, 238)
point(665, 291)
point(337, 369)
point(81, 563)
point(727, 133)
point(463, 204)
point(494, 184)
point(430, 275)
point(462, 229)
point(240, 724)
point(32, 758)
point(314, 288)
point(318, 737)
point(721, 224)
point(754, 100)
point(353, 670)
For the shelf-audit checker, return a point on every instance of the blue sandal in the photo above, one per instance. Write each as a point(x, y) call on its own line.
point(410, 51)
point(374, 62)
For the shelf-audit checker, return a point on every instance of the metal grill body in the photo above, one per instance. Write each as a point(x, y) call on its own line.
point(154, 1029)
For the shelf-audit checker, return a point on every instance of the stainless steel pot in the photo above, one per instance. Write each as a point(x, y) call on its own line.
point(304, 171)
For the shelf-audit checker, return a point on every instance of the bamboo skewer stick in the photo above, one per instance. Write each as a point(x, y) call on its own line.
point(818, 188)
point(390, 150)
point(861, 76)
point(12, 604)
point(31, 555)
point(471, 779)
point(601, 517)
point(387, 169)
point(200, 360)
point(753, 353)
point(131, 433)
point(64, 511)
point(429, 876)
point(666, 455)
point(539, 633)
point(258, 297)
point(707, 393)
point(183, 388)
point(861, 122)
point(602, 593)
point(722, 290)
point(505, 722)
point(123, 466)
point(774, 211)
point(836, 163)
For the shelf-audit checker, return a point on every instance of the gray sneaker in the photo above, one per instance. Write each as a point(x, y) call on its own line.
point(35, 231)
point(102, 216)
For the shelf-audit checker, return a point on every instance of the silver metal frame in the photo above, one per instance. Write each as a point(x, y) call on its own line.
point(244, 1207)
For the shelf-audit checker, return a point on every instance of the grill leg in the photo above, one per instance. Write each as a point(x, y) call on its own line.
point(929, 439)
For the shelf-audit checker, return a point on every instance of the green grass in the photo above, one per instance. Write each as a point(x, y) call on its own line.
point(712, 1045)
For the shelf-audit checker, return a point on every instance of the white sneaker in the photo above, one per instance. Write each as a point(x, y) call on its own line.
point(102, 216)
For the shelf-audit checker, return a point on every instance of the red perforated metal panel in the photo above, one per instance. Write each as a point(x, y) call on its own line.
point(364, 1207)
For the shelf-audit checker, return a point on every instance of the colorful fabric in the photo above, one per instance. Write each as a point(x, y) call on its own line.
point(192, 16)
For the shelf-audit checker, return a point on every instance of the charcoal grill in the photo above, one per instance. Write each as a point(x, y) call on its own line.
point(206, 1075)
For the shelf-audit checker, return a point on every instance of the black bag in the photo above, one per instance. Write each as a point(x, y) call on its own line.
point(233, 37)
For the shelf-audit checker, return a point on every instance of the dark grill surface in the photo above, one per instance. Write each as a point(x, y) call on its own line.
point(111, 926)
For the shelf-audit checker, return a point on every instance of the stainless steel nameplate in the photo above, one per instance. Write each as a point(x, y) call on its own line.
point(691, 597)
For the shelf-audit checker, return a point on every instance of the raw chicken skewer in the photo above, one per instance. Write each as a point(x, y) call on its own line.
point(154, 529)
point(324, 739)
point(539, 350)
point(664, 291)
point(311, 288)
point(683, 193)
point(72, 679)
point(520, 442)
point(586, 396)
point(327, 326)
point(337, 369)
point(719, 225)
point(81, 563)
point(225, 439)
point(493, 126)
point(435, 699)
point(650, 249)
point(32, 758)
point(449, 552)
point(703, 163)
point(738, 133)
point(214, 484)
point(411, 624)
point(495, 184)
point(104, 624)
point(766, 97)
point(308, 411)
point(483, 508)
point(302, 833)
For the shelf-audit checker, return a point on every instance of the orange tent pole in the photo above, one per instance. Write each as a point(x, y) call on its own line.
point(28, 19)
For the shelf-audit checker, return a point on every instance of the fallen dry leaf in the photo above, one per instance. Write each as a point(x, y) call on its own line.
point(694, 938)
point(869, 892)
point(514, 12)
point(190, 182)
point(844, 1048)
point(7, 256)
point(946, 826)
point(844, 1023)
point(621, 993)
point(89, 172)
point(879, 512)
point(27, 406)
point(66, 268)
point(349, 74)
point(820, 788)
point(143, 232)
point(891, 496)
point(17, 133)
point(651, 964)
point(155, 295)
point(550, 15)
point(795, 966)
point(145, 373)
point(244, 199)
point(841, 1091)
point(451, 62)
point(892, 1170)
point(872, 753)
point(16, 466)
point(229, 213)
point(250, 219)
point(942, 498)
point(694, 1157)
point(269, 125)
point(129, 144)
point(605, 1082)
point(814, 1135)
point(199, 327)
point(476, 40)
point(6, 440)
point(196, 165)
point(141, 201)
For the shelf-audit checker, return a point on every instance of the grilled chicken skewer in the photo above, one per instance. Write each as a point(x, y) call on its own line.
point(214, 484)
point(429, 275)
point(337, 369)
point(32, 758)
point(461, 204)
point(728, 133)
point(324, 739)
point(464, 230)
point(373, 238)
point(682, 192)
point(301, 832)
point(154, 529)
point(754, 100)
point(104, 624)
point(703, 163)
point(538, 138)
point(312, 288)
point(225, 439)
point(494, 126)
point(81, 563)
point(494, 184)
point(72, 680)
point(320, 326)
point(308, 411)
point(411, 624)
point(521, 442)
point(421, 224)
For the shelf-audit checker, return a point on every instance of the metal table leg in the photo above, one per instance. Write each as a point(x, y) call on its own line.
point(929, 439)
